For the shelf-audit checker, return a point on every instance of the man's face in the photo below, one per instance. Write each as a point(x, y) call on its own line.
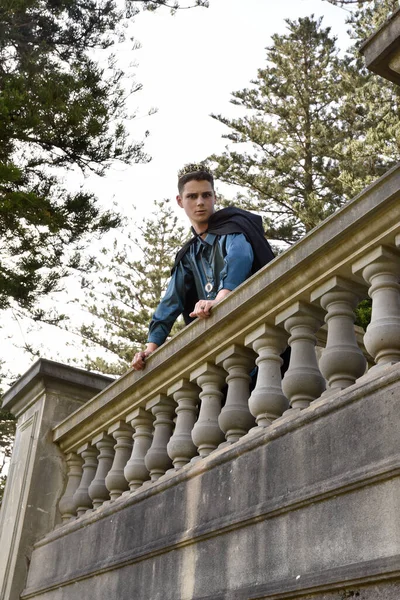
point(197, 200)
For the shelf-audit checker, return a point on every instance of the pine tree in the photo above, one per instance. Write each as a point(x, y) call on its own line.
point(370, 109)
point(132, 281)
point(59, 109)
point(286, 160)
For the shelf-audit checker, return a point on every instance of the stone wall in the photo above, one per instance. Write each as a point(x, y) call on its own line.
point(308, 506)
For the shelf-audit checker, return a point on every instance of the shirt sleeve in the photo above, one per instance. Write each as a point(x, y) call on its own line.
point(238, 261)
point(171, 305)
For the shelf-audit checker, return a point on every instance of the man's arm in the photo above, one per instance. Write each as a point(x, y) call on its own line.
point(169, 309)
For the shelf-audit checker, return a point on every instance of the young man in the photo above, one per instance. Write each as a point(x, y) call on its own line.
point(228, 246)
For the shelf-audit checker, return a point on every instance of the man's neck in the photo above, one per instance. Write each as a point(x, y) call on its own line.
point(201, 230)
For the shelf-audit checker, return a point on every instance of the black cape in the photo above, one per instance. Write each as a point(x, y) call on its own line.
point(236, 220)
point(223, 222)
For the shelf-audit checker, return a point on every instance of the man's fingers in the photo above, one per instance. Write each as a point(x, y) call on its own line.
point(138, 362)
point(202, 309)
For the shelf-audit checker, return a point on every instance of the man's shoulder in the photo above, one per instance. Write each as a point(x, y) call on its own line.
point(234, 220)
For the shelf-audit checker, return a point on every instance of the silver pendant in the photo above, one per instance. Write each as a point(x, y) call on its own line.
point(208, 287)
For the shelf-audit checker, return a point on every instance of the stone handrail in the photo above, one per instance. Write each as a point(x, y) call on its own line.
point(173, 413)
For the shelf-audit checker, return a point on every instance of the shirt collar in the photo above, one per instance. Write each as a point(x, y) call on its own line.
point(208, 241)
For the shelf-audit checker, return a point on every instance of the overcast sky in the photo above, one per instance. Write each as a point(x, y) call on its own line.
point(188, 66)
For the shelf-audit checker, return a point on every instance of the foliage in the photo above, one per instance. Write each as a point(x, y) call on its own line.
point(132, 278)
point(358, 3)
point(286, 161)
point(59, 109)
point(317, 128)
point(7, 433)
point(152, 5)
point(371, 111)
point(363, 313)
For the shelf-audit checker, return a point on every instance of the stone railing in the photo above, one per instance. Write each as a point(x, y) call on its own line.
point(194, 395)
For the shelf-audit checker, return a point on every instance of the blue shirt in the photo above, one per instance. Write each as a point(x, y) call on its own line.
point(224, 261)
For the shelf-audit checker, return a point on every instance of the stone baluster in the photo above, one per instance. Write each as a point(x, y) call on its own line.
point(136, 471)
point(66, 505)
point(157, 460)
point(267, 401)
point(381, 269)
point(235, 418)
point(303, 381)
point(82, 500)
point(206, 433)
point(342, 361)
point(180, 447)
point(97, 489)
point(116, 482)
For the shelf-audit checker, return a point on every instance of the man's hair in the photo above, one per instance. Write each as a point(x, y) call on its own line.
point(194, 172)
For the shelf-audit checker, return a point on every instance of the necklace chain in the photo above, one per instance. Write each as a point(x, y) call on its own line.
point(209, 286)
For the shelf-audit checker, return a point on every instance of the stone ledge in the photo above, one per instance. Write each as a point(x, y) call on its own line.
point(358, 574)
point(53, 371)
point(382, 50)
point(319, 493)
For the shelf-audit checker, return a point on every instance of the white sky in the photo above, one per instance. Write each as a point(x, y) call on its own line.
point(188, 65)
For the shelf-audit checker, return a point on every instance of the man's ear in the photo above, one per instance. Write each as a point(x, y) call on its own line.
point(179, 201)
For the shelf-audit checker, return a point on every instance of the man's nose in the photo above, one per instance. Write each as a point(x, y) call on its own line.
point(200, 200)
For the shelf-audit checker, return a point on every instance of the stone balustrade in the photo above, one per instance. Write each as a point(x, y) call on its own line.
point(195, 398)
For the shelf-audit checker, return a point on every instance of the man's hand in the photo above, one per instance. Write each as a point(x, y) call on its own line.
point(139, 359)
point(203, 308)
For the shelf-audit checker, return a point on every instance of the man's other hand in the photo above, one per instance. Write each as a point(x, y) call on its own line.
point(139, 360)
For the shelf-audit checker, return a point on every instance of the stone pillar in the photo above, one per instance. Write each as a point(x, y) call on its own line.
point(267, 401)
point(97, 489)
point(235, 418)
point(136, 471)
point(82, 500)
point(342, 361)
point(303, 381)
point(48, 393)
point(116, 481)
point(157, 460)
point(207, 434)
point(181, 447)
point(381, 269)
point(66, 505)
